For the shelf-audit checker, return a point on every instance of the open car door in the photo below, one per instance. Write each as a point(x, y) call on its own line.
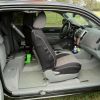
point(1, 92)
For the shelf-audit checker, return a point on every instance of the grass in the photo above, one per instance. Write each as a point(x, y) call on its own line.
point(53, 19)
point(85, 96)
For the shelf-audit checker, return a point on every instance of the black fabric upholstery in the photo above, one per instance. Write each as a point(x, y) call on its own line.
point(44, 51)
point(59, 55)
point(28, 40)
point(28, 19)
point(5, 27)
point(9, 35)
point(70, 68)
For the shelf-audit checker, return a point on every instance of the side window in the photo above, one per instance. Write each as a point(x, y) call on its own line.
point(53, 19)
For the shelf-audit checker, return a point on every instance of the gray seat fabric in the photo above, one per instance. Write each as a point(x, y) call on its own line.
point(2, 54)
point(12, 69)
point(6, 43)
point(56, 67)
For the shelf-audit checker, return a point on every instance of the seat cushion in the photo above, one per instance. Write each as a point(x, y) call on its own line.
point(68, 65)
point(12, 71)
point(66, 59)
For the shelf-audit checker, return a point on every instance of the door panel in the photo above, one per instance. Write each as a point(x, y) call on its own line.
point(1, 92)
point(53, 26)
point(52, 34)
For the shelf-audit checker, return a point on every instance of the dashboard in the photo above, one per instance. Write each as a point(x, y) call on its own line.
point(70, 28)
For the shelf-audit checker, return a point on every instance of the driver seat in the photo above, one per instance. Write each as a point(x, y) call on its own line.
point(60, 67)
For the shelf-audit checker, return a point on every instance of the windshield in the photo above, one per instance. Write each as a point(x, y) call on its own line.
point(79, 20)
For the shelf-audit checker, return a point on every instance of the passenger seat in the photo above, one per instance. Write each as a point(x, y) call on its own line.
point(63, 66)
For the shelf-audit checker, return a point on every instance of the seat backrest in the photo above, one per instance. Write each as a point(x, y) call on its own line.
point(2, 54)
point(43, 49)
point(9, 34)
point(6, 31)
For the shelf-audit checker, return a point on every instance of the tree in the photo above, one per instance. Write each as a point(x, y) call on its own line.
point(70, 1)
point(90, 4)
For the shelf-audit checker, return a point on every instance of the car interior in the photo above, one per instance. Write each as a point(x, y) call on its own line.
point(37, 59)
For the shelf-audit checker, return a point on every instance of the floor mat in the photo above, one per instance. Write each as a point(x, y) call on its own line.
point(31, 79)
point(90, 75)
point(33, 66)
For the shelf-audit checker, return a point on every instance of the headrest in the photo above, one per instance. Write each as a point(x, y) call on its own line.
point(40, 21)
point(1, 39)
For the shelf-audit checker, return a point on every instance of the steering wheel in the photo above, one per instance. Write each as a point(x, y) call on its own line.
point(65, 30)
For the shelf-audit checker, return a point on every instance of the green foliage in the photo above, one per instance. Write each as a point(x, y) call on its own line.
point(61, 0)
point(90, 4)
point(53, 19)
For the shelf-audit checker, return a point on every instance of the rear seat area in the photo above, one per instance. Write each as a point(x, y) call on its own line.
point(11, 69)
point(11, 60)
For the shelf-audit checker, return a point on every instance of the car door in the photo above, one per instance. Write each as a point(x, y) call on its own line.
point(53, 26)
point(1, 92)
